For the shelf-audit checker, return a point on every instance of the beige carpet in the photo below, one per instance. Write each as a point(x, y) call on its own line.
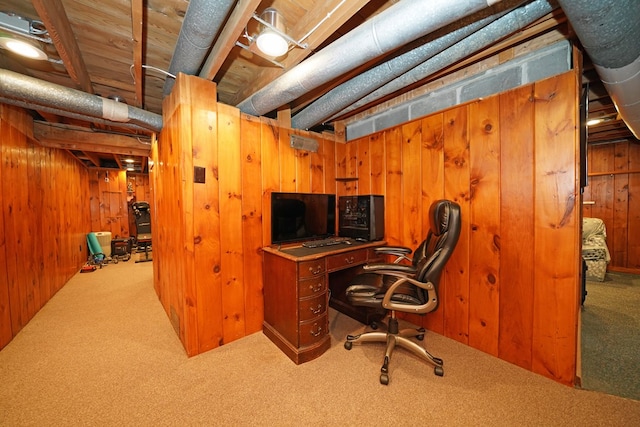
point(102, 352)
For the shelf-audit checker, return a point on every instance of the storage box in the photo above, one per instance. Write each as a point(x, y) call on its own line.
point(120, 247)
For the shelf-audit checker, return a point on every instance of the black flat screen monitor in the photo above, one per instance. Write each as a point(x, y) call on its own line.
point(297, 217)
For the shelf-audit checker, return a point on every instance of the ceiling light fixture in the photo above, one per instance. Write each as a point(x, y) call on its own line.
point(272, 40)
point(23, 36)
point(23, 48)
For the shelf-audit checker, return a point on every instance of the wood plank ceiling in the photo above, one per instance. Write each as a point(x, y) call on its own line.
point(122, 49)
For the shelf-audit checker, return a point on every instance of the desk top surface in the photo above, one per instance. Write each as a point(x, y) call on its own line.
point(297, 252)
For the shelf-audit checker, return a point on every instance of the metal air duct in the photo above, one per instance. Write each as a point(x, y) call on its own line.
point(500, 28)
point(364, 83)
point(609, 31)
point(202, 22)
point(35, 92)
point(398, 25)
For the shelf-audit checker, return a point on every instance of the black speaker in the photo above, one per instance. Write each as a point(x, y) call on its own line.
point(361, 217)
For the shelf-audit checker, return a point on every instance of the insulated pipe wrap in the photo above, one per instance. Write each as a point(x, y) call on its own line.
point(345, 94)
point(500, 28)
point(398, 25)
point(41, 93)
point(610, 34)
point(202, 22)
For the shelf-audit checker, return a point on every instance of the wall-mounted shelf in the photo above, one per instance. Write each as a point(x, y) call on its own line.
point(346, 179)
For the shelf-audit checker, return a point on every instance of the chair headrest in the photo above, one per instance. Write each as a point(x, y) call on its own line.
point(440, 214)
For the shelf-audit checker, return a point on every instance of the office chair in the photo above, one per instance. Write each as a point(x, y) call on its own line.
point(143, 229)
point(408, 288)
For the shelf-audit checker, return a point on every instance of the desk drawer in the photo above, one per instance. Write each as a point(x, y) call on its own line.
point(311, 268)
point(312, 307)
point(311, 287)
point(346, 259)
point(313, 330)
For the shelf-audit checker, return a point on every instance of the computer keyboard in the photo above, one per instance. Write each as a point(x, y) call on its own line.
point(324, 242)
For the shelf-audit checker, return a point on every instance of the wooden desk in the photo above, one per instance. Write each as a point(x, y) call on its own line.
point(296, 280)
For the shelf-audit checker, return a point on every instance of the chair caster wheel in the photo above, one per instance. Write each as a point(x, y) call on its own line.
point(374, 325)
point(421, 336)
point(438, 371)
point(384, 379)
point(348, 345)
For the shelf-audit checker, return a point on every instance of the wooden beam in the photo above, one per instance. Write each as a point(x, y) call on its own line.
point(55, 19)
point(228, 37)
point(137, 8)
point(56, 136)
point(324, 31)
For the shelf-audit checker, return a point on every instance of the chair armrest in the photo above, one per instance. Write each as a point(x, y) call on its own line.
point(389, 268)
point(427, 307)
point(401, 252)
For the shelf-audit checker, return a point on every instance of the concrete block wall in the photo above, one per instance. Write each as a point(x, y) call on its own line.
point(546, 62)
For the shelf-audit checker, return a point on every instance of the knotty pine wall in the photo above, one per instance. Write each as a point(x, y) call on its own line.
point(511, 161)
point(44, 218)
point(614, 187)
point(511, 288)
point(208, 236)
point(111, 195)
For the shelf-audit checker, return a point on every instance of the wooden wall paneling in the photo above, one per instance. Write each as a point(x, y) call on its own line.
point(47, 254)
point(329, 167)
point(456, 188)
point(484, 268)
point(602, 186)
point(206, 222)
point(94, 200)
point(351, 169)
point(6, 325)
point(316, 168)
point(617, 235)
point(412, 210)
point(393, 210)
point(14, 177)
point(377, 165)
point(42, 219)
point(288, 177)
point(633, 229)
point(230, 176)
point(303, 166)
point(252, 210)
point(189, 299)
point(154, 182)
point(341, 155)
point(35, 198)
point(363, 166)
point(516, 226)
point(168, 235)
point(412, 231)
point(432, 186)
point(555, 299)
point(270, 172)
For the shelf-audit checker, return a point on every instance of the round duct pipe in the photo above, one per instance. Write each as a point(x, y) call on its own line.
point(610, 35)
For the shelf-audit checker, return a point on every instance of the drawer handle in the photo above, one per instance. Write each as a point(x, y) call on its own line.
point(317, 310)
point(317, 270)
point(317, 288)
point(317, 333)
point(350, 260)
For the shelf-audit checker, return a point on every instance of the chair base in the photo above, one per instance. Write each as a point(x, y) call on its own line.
point(395, 337)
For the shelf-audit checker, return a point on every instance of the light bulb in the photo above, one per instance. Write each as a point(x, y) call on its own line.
point(272, 44)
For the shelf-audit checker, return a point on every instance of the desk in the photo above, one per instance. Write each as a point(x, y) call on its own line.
point(296, 296)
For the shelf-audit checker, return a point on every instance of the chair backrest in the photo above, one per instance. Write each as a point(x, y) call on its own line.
point(443, 235)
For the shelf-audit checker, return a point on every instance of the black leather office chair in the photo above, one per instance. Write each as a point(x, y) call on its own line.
point(408, 288)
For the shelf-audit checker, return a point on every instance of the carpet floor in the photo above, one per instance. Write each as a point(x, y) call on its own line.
point(102, 352)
